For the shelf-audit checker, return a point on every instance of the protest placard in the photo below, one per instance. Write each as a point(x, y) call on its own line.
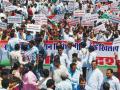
point(33, 27)
point(40, 19)
point(100, 28)
point(103, 8)
point(90, 17)
point(79, 13)
point(114, 18)
point(10, 8)
point(3, 25)
point(87, 23)
point(73, 21)
point(15, 19)
point(71, 6)
point(6, 3)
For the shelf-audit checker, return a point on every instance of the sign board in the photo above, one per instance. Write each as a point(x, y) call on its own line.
point(15, 19)
point(114, 18)
point(100, 28)
point(3, 25)
point(87, 23)
point(10, 8)
point(40, 19)
point(73, 21)
point(79, 13)
point(90, 17)
point(33, 27)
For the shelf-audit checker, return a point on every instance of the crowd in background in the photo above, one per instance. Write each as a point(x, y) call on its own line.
point(70, 69)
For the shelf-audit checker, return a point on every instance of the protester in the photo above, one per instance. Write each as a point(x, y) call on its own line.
point(65, 84)
point(59, 40)
point(94, 77)
point(112, 80)
point(50, 84)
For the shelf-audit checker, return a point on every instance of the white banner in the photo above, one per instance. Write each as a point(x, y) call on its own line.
point(87, 23)
point(90, 17)
point(114, 18)
point(10, 8)
point(15, 19)
point(100, 28)
point(33, 27)
point(40, 19)
point(79, 13)
point(3, 25)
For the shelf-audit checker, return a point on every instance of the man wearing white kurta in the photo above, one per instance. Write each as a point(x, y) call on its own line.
point(92, 55)
point(63, 57)
point(65, 84)
point(112, 80)
point(58, 69)
point(70, 50)
point(94, 77)
point(74, 75)
point(83, 55)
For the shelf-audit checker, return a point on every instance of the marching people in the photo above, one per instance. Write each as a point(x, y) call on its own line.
point(67, 31)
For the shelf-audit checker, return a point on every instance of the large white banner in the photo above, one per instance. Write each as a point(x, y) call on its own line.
point(33, 27)
point(105, 51)
point(15, 19)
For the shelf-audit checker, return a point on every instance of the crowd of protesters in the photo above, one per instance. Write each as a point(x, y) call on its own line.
point(70, 69)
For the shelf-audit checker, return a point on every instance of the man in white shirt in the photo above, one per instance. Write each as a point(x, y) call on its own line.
point(112, 80)
point(50, 84)
point(63, 57)
point(83, 55)
point(58, 69)
point(46, 77)
point(20, 34)
point(65, 84)
point(70, 50)
point(92, 55)
point(94, 77)
point(16, 56)
point(74, 75)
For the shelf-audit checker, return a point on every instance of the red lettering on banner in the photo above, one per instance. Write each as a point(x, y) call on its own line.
point(100, 60)
point(109, 61)
point(105, 61)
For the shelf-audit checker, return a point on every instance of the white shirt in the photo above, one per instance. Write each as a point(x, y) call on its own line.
point(16, 56)
point(92, 56)
point(64, 60)
point(70, 52)
point(83, 55)
point(75, 77)
point(94, 79)
point(43, 85)
point(114, 83)
point(64, 85)
point(58, 72)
